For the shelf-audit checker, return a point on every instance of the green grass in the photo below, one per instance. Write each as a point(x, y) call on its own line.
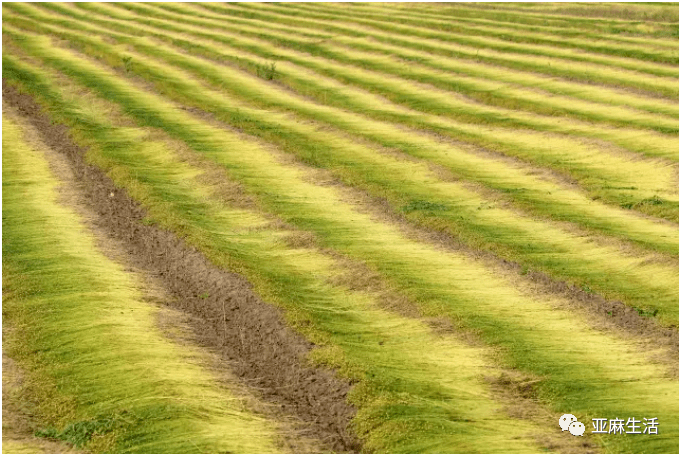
point(463, 164)
point(350, 281)
point(412, 37)
point(399, 382)
point(442, 392)
point(533, 243)
point(464, 60)
point(501, 35)
point(103, 376)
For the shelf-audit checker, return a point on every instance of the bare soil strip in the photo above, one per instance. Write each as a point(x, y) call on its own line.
point(248, 333)
point(604, 315)
point(291, 435)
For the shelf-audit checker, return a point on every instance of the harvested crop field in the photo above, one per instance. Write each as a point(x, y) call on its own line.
point(353, 228)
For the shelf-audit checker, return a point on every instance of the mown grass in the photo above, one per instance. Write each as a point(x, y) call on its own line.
point(657, 12)
point(528, 91)
point(663, 146)
point(533, 103)
point(467, 61)
point(409, 401)
point(21, 447)
point(535, 341)
point(474, 81)
point(553, 107)
point(611, 24)
point(480, 17)
point(533, 244)
point(502, 35)
point(534, 195)
point(629, 194)
point(412, 37)
point(375, 40)
point(103, 376)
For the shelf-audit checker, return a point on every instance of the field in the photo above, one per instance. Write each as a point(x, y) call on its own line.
point(316, 227)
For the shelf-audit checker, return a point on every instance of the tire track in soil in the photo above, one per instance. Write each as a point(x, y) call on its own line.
point(249, 333)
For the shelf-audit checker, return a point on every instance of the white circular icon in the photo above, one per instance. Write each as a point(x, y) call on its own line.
point(576, 428)
point(565, 420)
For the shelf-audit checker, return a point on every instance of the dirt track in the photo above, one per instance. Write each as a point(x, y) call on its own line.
point(228, 317)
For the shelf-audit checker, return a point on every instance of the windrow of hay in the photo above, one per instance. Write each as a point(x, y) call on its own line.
point(408, 400)
point(422, 39)
point(465, 15)
point(546, 197)
point(533, 101)
point(629, 14)
point(411, 189)
point(99, 369)
point(473, 80)
point(599, 49)
point(621, 29)
point(615, 184)
point(379, 213)
point(469, 61)
point(538, 341)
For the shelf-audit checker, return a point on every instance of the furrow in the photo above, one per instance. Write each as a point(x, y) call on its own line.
point(407, 401)
point(540, 340)
point(88, 337)
point(412, 190)
point(647, 197)
point(538, 195)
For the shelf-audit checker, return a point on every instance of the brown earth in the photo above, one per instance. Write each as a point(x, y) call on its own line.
point(603, 313)
point(291, 434)
point(227, 316)
point(611, 315)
